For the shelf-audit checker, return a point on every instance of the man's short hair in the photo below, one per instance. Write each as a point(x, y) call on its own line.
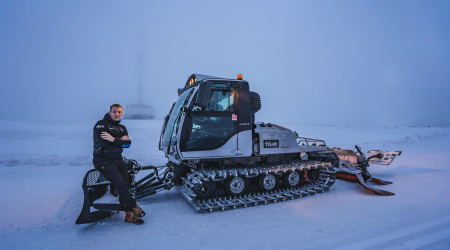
point(115, 105)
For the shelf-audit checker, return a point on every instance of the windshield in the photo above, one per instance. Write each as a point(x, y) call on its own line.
point(170, 135)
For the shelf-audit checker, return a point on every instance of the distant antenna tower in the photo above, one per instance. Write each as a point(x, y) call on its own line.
point(140, 111)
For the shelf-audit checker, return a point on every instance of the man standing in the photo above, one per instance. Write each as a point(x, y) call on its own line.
point(110, 137)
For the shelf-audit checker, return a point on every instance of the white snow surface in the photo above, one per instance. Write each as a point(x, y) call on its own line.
point(42, 167)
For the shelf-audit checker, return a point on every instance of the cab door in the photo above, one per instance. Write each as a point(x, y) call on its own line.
point(211, 132)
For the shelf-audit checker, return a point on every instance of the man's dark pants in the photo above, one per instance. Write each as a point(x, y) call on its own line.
point(116, 172)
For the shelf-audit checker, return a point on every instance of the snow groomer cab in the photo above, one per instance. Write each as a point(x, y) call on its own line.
point(218, 149)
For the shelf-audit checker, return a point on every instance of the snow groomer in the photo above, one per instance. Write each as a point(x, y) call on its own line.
point(110, 137)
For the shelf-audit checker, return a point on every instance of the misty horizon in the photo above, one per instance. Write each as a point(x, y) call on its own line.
point(350, 62)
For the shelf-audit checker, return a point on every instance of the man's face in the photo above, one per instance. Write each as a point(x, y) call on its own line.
point(116, 113)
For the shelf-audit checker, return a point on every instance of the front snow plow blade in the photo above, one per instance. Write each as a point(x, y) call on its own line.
point(101, 198)
point(353, 167)
point(95, 186)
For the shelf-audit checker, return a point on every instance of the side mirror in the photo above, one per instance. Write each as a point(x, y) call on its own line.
point(203, 95)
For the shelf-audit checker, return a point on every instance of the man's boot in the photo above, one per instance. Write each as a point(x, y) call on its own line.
point(138, 211)
point(130, 217)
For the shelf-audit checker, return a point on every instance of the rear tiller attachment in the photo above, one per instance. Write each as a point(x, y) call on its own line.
point(353, 167)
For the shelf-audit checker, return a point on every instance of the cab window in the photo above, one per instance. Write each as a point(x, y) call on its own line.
point(221, 100)
point(211, 128)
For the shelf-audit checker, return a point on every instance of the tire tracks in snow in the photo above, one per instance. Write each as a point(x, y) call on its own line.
point(414, 237)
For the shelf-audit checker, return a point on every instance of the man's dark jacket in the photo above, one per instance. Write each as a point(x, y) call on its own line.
point(105, 150)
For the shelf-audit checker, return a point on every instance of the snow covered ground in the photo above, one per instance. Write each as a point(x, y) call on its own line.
point(42, 166)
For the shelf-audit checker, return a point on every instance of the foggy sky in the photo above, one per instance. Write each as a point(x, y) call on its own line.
point(327, 62)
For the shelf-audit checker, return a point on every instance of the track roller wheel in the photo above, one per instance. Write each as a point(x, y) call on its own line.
point(235, 185)
point(291, 179)
point(267, 182)
point(206, 189)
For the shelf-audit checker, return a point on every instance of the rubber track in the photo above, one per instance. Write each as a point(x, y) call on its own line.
point(325, 181)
